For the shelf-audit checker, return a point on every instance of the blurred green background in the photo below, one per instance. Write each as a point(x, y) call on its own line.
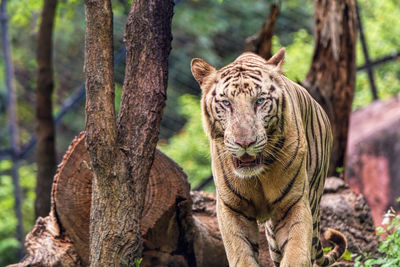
point(210, 29)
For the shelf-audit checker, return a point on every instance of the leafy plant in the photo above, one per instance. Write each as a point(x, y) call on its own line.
point(389, 247)
point(138, 262)
point(8, 222)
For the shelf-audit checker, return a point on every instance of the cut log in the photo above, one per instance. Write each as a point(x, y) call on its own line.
point(165, 216)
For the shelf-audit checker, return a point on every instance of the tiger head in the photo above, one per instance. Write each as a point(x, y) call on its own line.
point(240, 106)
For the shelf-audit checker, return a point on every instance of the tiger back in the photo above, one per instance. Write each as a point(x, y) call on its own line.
point(270, 144)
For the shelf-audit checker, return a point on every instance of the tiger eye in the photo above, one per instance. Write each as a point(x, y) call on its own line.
point(260, 101)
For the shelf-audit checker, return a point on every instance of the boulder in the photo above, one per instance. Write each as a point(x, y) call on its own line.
point(374, 155)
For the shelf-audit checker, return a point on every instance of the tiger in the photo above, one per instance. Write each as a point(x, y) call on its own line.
point(270, 143)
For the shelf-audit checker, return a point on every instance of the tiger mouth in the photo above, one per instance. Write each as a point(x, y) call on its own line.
point(247, 160)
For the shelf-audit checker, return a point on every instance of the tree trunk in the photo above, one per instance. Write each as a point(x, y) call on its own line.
point(13, 125)
point(331, 78)
point(46, 154)
point(121, 153)
point(261, 43)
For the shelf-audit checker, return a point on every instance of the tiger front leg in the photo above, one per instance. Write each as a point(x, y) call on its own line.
point(239, 235)
point(293, 233)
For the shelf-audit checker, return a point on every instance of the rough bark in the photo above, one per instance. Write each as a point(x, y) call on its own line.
point(122, 152)
point(331, 78)
point(13, 124)
point(261, 43)
point(46, 153)
point(47, 246)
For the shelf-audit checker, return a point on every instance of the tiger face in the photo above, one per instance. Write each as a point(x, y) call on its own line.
point(240, 106)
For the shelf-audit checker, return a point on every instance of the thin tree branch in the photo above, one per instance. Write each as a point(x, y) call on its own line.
point(13, 126)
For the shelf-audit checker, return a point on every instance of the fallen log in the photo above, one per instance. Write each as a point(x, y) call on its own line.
point(179, 227)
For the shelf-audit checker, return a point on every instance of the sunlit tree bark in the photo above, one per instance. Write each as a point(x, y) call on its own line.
point(331, 78)
point(122, 149)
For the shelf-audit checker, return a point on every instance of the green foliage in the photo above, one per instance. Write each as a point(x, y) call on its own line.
point(382, 33)
point(138, 262)
point(298, 55)
point(389, 247)
point(190, 147)
point(339, 170)
point(347, 255)
point(8, 221)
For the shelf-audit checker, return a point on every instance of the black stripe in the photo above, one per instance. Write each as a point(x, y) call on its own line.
point(289, 185)
point(319, 246)
point(314, 204)
point(293, 224)
point(291, 206)
point(275, 150)
point(254, 77)
point(275, 250)
point(227, 79)
point(309, 152)
point(205, 108)
point(226, 72)
point(320, 255)
point(314, 240)
point(222, 106)
point(280, 227)
point(249, 218)
point(283, 107)
point(297, 131)
point(229, 185)
point(294, 155)
point(317, 152)
point(254, 246)
point(284, 245)
point(252, 66)
point(277, 263)
point(320, 134)
point(270, 233)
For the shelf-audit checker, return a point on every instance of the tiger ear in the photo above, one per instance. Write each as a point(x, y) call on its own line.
point(201, 69)
point(277, 59)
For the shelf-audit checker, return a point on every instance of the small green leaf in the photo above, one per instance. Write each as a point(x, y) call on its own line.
point(347, 255)
point(339, 169)
point(138, 262)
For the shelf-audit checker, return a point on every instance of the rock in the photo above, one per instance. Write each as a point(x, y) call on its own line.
point(374, 155)
point(348, 212)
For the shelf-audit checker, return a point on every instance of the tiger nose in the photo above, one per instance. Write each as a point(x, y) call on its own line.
point(245, 143)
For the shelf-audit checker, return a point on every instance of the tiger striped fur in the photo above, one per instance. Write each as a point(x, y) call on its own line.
point(270, 144)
